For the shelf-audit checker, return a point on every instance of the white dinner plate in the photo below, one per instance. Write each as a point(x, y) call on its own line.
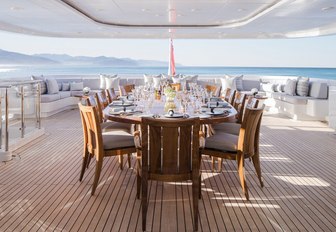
point(174, 116)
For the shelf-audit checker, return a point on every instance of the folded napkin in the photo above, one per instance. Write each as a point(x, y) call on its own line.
point(121, 109)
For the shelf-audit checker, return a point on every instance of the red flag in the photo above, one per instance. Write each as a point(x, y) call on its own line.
point(171, 70)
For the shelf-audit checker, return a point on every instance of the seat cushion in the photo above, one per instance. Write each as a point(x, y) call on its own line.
point(110, 126)
point(230, 128)
point(222, 142)
point(318, 90)
point(117, 139)
point(64, 94)
point(49, 97)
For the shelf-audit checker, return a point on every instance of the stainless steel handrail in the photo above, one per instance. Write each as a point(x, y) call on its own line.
point(20, 84)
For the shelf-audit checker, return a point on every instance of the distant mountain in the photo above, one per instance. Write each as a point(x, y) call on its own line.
point(100, 60)
point(14, 58)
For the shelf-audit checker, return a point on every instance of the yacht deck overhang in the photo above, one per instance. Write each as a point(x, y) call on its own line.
point(232, 19)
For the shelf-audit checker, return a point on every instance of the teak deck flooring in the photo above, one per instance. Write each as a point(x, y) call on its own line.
point(40, 191)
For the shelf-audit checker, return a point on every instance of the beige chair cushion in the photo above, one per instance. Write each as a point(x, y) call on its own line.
point(110, 126)
point(117, 139)
point(222, 142)
point(230, 128)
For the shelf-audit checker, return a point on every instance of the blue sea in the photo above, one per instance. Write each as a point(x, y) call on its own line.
point(25, 71)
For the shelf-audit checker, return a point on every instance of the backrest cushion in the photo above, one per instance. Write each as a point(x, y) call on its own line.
point(52, 86)
point(251, 84)
point(65, 86)
point(91, 83)
point(238, 81)
point(112, 82)
point(290, 87)
point(302, 86)
point(43, 84)
point(318, 90)
point(76, 86)
point(148, 79)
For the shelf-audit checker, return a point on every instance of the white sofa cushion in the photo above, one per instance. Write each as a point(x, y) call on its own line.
point(318, 90)
point(290, 87)
point(64, 94)
point(52, 86)
point(76, 86)
point(302, 86)
point(65, 86)
point(50, 97)
point(112, 82)
point(43, 83)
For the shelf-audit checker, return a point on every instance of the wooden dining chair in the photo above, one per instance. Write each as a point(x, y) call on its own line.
point(125, 89)
point(230, 95)
point(169, 151)
point(239, 147)
point(233, 127)
point(238, 104)
point(110, 95)
point(214, 89)
point(176, 86)
point(107, 126)
point(100, 145)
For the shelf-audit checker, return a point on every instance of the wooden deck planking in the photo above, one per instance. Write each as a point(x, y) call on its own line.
point(41, 191)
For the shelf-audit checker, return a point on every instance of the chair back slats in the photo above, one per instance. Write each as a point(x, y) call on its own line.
point(125, 89)
point(247, 135)
point(110, 95)
point(173, 144)
point(252, 102)
point(93, 129)
point(94, 101)
point(102, 99)
point(239, 104)
point(187, 141)
point(154, 149)
point(170, 144)
point(230, 95)
point(176, 86)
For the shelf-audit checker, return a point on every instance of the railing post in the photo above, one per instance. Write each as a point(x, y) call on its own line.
point(22, 112)
point(38, 105)
point(0, 119)
point(6, 120)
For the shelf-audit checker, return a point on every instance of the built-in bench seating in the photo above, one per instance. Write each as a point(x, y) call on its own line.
point(312, 107)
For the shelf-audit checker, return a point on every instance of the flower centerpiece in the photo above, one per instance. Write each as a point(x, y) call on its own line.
point(170, 94)
point(86, 90)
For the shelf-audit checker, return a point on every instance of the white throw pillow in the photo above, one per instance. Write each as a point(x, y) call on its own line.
point(157, 82)
point(227, 82)
point(238, 81)
point(290, 87)
point(75, 86)
point(302, 86)
point(112, 82)
point(148, 79)
point(102, 81)
point(52, 86)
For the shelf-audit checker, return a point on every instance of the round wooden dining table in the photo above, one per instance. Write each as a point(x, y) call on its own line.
point(135, 117)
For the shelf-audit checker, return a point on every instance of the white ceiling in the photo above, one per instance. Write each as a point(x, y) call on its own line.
point(218, 19)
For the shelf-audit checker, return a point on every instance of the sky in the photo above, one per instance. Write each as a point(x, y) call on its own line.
point(303, 52)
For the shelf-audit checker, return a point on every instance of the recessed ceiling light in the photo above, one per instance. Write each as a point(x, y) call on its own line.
point(194, 10)
point(328, 8)
point(16, 8)
point(144, 10)
point(241, 9)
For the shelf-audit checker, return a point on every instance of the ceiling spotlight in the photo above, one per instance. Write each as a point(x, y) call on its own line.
point(144, 10)
point(16, 8)
point(328, 8)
